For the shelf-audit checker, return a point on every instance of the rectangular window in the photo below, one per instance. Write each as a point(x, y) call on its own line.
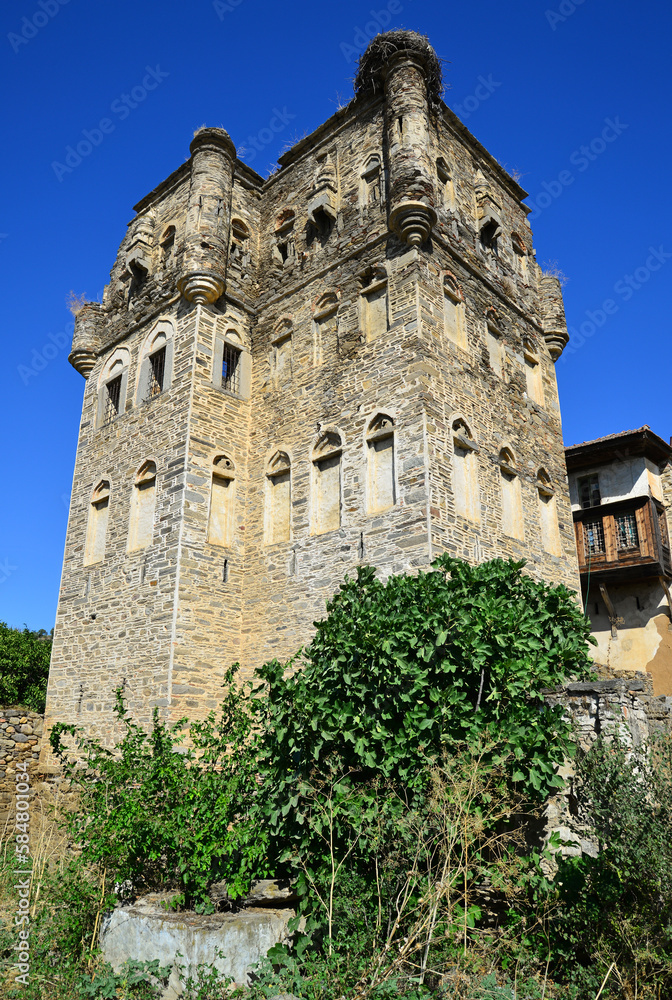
point(627, 536)
point(589, 491)
point(113, 390)
point(593, 532)
point(231, 369)
point(157, 368)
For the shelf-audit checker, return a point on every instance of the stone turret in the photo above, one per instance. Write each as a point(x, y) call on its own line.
point(206, 238)
point(553, 318)
point(404, 66)
point(86, 339)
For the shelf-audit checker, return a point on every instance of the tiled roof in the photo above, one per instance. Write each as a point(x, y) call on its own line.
point(610, 437)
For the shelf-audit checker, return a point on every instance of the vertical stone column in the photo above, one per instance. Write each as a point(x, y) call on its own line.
point(206, 238)
point(411, 175)
point(553, 316)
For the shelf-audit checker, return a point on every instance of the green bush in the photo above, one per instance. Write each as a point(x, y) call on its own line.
point(160, 814)
point(617, 907)
point(389, 771)
point(24, 667)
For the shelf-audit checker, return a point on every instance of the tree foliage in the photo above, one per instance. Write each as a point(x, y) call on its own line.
point(400, 670)
point(24, 667)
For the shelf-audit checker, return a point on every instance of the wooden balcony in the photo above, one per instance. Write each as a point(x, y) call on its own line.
point(626, 540)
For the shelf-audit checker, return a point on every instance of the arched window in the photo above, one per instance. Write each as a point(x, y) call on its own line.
point(143, 503)
point(548, 514)
point(446, 187)
point(533, 373)
point(453, 312)
point(284, 247)
point(222, 501)
point(232, 364)
point(465, 472)
point(373, 303)
point(239, 253)
point(277, 520)
point(509, 484)
point(326, 485)
point(112, 388)
point(493, 333)
point(281, 348)
point(156, 362)
point(381, 484)
point(325, 327)
point(371, 186)
point(167, 244)
point(96, 529)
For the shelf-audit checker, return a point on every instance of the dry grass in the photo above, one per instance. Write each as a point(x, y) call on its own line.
point(75, 302)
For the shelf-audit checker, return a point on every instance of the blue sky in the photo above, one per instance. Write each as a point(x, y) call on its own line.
point(534, 81)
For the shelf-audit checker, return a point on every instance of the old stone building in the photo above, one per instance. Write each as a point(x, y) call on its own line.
point(620, 490)
point(350, 361)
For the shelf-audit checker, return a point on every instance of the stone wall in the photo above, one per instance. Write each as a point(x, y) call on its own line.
point(621, 707)
point(20, 739)
point(336, 282)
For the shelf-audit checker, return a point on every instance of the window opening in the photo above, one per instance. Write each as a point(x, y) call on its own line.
point(167, 244)
point(594, 537)
point(372, 193)
point(589, 491)
point(230, 368)
point(445, 183)
point(489, 236)
point(112, 400)
point(627, 536)
point(157, 370)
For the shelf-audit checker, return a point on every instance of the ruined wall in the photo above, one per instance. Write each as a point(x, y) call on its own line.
point(625, 708)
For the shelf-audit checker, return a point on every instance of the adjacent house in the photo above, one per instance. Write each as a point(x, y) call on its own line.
point(620, 488)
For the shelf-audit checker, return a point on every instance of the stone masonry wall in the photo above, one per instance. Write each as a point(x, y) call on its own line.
point(164, 622)
point(20, 738)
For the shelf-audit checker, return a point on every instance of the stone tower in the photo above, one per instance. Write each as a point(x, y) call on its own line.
point(348, 362)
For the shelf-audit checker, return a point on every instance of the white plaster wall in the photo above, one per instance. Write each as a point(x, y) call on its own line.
point(631, 477)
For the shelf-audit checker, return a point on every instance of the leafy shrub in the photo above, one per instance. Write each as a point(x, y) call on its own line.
point(157, 813)
point(24, 667)
point(617, 907)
